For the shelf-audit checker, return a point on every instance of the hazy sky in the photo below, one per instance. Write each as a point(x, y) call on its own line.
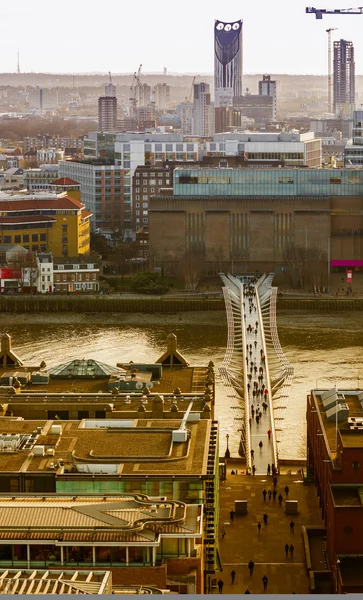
point(118, 35)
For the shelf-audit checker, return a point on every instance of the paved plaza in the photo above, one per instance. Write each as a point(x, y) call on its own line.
point(242, 541)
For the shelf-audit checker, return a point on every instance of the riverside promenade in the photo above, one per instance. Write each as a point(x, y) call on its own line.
point(242, 542)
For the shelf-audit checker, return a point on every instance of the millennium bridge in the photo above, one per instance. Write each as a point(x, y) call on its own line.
point(256, 367)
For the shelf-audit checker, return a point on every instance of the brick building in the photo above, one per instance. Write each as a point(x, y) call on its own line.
point(243, 220)
point(335, 463)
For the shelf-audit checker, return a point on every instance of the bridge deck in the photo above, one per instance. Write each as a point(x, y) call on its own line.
point(258, 431)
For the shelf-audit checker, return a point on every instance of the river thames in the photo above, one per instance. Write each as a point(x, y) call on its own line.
point(324, 350)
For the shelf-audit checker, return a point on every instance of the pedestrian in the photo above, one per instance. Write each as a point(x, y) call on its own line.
point(269, 434)
point(273, 468)
point(292, 526)
point(231, 515)
point(223, 530)
point(292, 550)
point(255, 342)
point(287, 549)
point(220, 586)
point(260, 414)
point(247, 591)
point(286, 490)
point(274, 494)
point(248, 387)
point(256, 323)
point(265, 582)
point(251, 566)
point(233, 576)
point(252, 454)
point(253, 470)
point(250, 420)
point(265, 517)
point(264, 495)
point(257, 419)
point(274, 481)
point(269, 495)
point(280, 499)
point(259, 527)
point(260, 445)
point(268, 469)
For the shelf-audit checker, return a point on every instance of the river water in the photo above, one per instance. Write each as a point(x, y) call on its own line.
point(322, 349)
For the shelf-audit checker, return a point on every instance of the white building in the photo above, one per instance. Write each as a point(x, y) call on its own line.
point(45, 273)
point(296, 149)
point(142, 93)
point(110, 89)
point(41, 178)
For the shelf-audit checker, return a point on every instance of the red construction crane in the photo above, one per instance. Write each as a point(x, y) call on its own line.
point(320, 12)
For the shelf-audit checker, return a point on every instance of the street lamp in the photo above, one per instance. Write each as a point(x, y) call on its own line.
point(227, 453)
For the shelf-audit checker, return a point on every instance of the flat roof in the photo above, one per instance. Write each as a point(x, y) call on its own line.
point(145, 448)
point(350, 438)
point(350, 570)
point(347, 495)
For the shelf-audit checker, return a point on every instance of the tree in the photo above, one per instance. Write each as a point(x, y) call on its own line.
point(148, 283)
point(294, 259)
point(191, 267)
point(27, 269)
point(316, 268)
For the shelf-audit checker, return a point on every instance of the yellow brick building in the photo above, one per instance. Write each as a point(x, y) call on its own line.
point(45, 223)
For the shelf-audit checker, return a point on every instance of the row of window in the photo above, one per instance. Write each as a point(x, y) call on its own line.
point(18, 239)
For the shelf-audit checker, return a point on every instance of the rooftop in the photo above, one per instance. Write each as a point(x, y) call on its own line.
point(114, 519)
point(13, 581)
point(350, 438)
point(347, 495)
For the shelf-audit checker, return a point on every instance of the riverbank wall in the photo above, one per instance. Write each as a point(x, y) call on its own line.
point(100, 304)
point(149, 305)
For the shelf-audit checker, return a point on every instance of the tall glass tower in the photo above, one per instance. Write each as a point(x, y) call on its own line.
point(227, 62)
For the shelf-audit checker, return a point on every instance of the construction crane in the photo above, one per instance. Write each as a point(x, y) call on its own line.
point(132, 99)
point(191, 89)
point(320, 12)
point(110, 76)
point(330, 106)
point(139, 71)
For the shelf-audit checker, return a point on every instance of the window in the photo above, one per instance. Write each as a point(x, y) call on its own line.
point(145, 205)
point(287, 179)
point(34, 237)
point(152, 190)
point(137, 197)
point(145, 175)
point(355, 465)
point(158, 147)
point(160, 182)
point(43, 237)
point(137, 181)
point(168, 147)
point(137, 205)
point(179, 147)
point(145, 197)
point(17, 239)
point(7, 239)
point(137, 190)
point(144, 190)
point(335, 180)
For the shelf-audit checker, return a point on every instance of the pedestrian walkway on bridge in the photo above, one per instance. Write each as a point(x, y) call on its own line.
point(251, 306)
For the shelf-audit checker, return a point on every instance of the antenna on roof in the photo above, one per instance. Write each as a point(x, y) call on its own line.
point(18, 64)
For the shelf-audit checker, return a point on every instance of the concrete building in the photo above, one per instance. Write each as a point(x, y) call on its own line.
point(186, 113)
point(343, 78)
point(162, 461)
point(258, 107)
point(43, 98)
point(110, 90)
point(353, 151)
point(243, 220)
point(267, 87)
point(146, 182)
point(335, 458)
point(143, 94)
point(296, 149)
point(102, 190)
point(162, 96)
point(203, 112)
point(45, 222)
point(45, 276)
point(228, 64)
point(107, 113)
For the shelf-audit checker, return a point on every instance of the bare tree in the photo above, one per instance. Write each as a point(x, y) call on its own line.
point(191, 267)
point(27, 269)
point(294, 259)
point(316, 262)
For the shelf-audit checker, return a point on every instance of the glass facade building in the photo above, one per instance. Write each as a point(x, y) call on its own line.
point(268, 182)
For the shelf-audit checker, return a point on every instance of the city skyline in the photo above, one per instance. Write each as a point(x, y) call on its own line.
point(75, 43)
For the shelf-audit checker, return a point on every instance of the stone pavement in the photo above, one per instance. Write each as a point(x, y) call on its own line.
point(243, 543)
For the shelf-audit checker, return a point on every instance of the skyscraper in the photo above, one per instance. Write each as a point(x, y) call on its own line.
point(344, 78)
point(227, 62)
point(267, 87)
point(203, 111)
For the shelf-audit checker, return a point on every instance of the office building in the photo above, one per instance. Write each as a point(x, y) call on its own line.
point(186, 114)
point(107, 113)
point(353, 151)
point(162, 96)
point(45, 222)
point(344, 78)
point(294, 149)
point(43, 98)
point(267, 87)
point(244, 219)
point(147, 182)
point(203, 111)
point(334, 464)
point(255, 106)
point(102, 190)
point(227, 62)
